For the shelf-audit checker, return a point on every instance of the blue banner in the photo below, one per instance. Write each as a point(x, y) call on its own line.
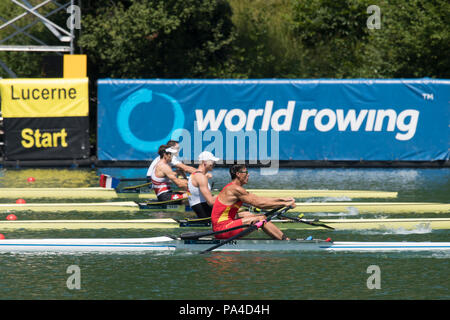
point(361, 119)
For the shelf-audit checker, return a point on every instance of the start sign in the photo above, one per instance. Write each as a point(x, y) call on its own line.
point(45, 118)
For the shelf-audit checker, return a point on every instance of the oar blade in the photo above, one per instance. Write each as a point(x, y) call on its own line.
point(322, 225)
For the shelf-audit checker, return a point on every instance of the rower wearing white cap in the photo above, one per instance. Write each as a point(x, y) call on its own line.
point(162, 176)
point(200, 199)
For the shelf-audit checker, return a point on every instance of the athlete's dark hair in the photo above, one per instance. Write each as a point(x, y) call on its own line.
point(171, 143)
point(162, 149)
point(235, 169)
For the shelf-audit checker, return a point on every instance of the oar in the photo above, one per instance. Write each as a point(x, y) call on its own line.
point(207, 219)
point(274, 213)
point(115, 182)
point(137, 187)
point(157, 203)
point(312, 223)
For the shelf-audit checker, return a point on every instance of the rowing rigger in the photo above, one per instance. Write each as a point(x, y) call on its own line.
point(169, 223)
point(166, 243)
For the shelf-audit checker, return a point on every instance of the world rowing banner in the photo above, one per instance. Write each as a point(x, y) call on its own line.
point(260, 120)
point(45, 118)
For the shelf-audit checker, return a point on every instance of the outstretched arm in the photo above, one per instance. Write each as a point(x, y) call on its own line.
point(185, 167)
point(181, 183)
point(263, 202)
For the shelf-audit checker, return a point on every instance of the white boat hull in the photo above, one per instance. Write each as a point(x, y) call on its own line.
point(86, 245)
point(169, 244)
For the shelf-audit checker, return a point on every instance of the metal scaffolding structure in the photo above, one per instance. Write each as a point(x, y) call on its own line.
point(66, 37)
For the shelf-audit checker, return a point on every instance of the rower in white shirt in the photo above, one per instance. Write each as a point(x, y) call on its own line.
point(200, 198)
point(175, 162)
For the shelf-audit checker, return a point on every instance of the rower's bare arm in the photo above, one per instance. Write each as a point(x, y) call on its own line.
point(264, 202)
point(181, 183)
point(246, 214)
point(186, 168)
point(202, 182)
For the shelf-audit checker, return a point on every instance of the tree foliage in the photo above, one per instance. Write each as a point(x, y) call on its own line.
point(414, 40)
point(249, 39)
point(155, 38)
point(264, 46)
point(333, 34)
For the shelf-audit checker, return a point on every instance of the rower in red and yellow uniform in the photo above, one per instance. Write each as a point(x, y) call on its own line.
point(225, 213)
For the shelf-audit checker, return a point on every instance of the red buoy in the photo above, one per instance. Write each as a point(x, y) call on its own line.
point(31, 179)
point(328, 240)
point(2, 236)
point(11, 217)
point(21, 201)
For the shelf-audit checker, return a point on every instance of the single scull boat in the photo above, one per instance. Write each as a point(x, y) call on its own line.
point(165, 243)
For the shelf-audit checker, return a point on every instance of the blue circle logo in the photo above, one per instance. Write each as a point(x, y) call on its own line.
point(123, 116)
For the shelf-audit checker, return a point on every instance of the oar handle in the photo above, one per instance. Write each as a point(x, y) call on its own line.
point(137, 187)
